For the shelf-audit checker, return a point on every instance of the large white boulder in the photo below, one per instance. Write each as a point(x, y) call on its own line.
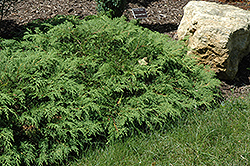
point(219, 34)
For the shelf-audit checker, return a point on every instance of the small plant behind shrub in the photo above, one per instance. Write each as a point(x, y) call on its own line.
point(64, 86)
point(111, 8)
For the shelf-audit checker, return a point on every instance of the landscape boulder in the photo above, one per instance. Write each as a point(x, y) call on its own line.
point(218, 34)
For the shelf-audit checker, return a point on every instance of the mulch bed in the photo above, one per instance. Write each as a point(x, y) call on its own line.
point(164, 16)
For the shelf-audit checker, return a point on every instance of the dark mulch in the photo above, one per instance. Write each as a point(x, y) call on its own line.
point(164, 16)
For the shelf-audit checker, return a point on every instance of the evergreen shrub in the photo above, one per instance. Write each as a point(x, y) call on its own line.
point(68, 83)
point(111, 8)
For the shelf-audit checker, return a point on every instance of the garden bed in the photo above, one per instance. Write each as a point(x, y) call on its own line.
point(164, 16)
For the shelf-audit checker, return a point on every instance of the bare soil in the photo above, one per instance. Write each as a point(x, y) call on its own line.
point(164, 16)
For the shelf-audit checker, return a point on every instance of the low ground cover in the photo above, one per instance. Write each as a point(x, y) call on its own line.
point(219, 136)
point(69, 83)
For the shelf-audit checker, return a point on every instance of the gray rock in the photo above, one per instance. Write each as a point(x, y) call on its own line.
point(218, 34)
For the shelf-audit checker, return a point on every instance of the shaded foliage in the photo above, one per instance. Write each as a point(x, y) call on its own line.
point(111, 8)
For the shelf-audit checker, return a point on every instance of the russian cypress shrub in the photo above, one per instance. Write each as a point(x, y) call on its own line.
point(69, 82)
point(111, 8)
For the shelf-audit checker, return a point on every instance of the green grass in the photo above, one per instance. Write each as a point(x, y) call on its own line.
point(216, 137)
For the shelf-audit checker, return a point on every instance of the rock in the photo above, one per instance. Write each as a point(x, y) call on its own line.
point(219, 34)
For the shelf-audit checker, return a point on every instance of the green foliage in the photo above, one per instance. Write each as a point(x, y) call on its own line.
point(68, 83)
point(111, 8)
point(218, 136)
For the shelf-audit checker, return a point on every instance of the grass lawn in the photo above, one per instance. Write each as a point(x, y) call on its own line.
point(217, 137)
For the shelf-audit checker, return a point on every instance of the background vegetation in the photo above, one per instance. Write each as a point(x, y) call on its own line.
point(111, 8)
point(69, 83)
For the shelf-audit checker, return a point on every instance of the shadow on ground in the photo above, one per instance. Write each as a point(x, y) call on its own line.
point(161, 28)
point(9, 29)
point(243, 75)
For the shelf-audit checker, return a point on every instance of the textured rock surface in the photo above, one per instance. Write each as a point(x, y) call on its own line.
point(219, 34)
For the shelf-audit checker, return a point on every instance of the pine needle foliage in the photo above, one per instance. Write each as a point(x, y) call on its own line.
point(68, 83)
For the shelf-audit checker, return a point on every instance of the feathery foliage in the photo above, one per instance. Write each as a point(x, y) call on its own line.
point(68, 83)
